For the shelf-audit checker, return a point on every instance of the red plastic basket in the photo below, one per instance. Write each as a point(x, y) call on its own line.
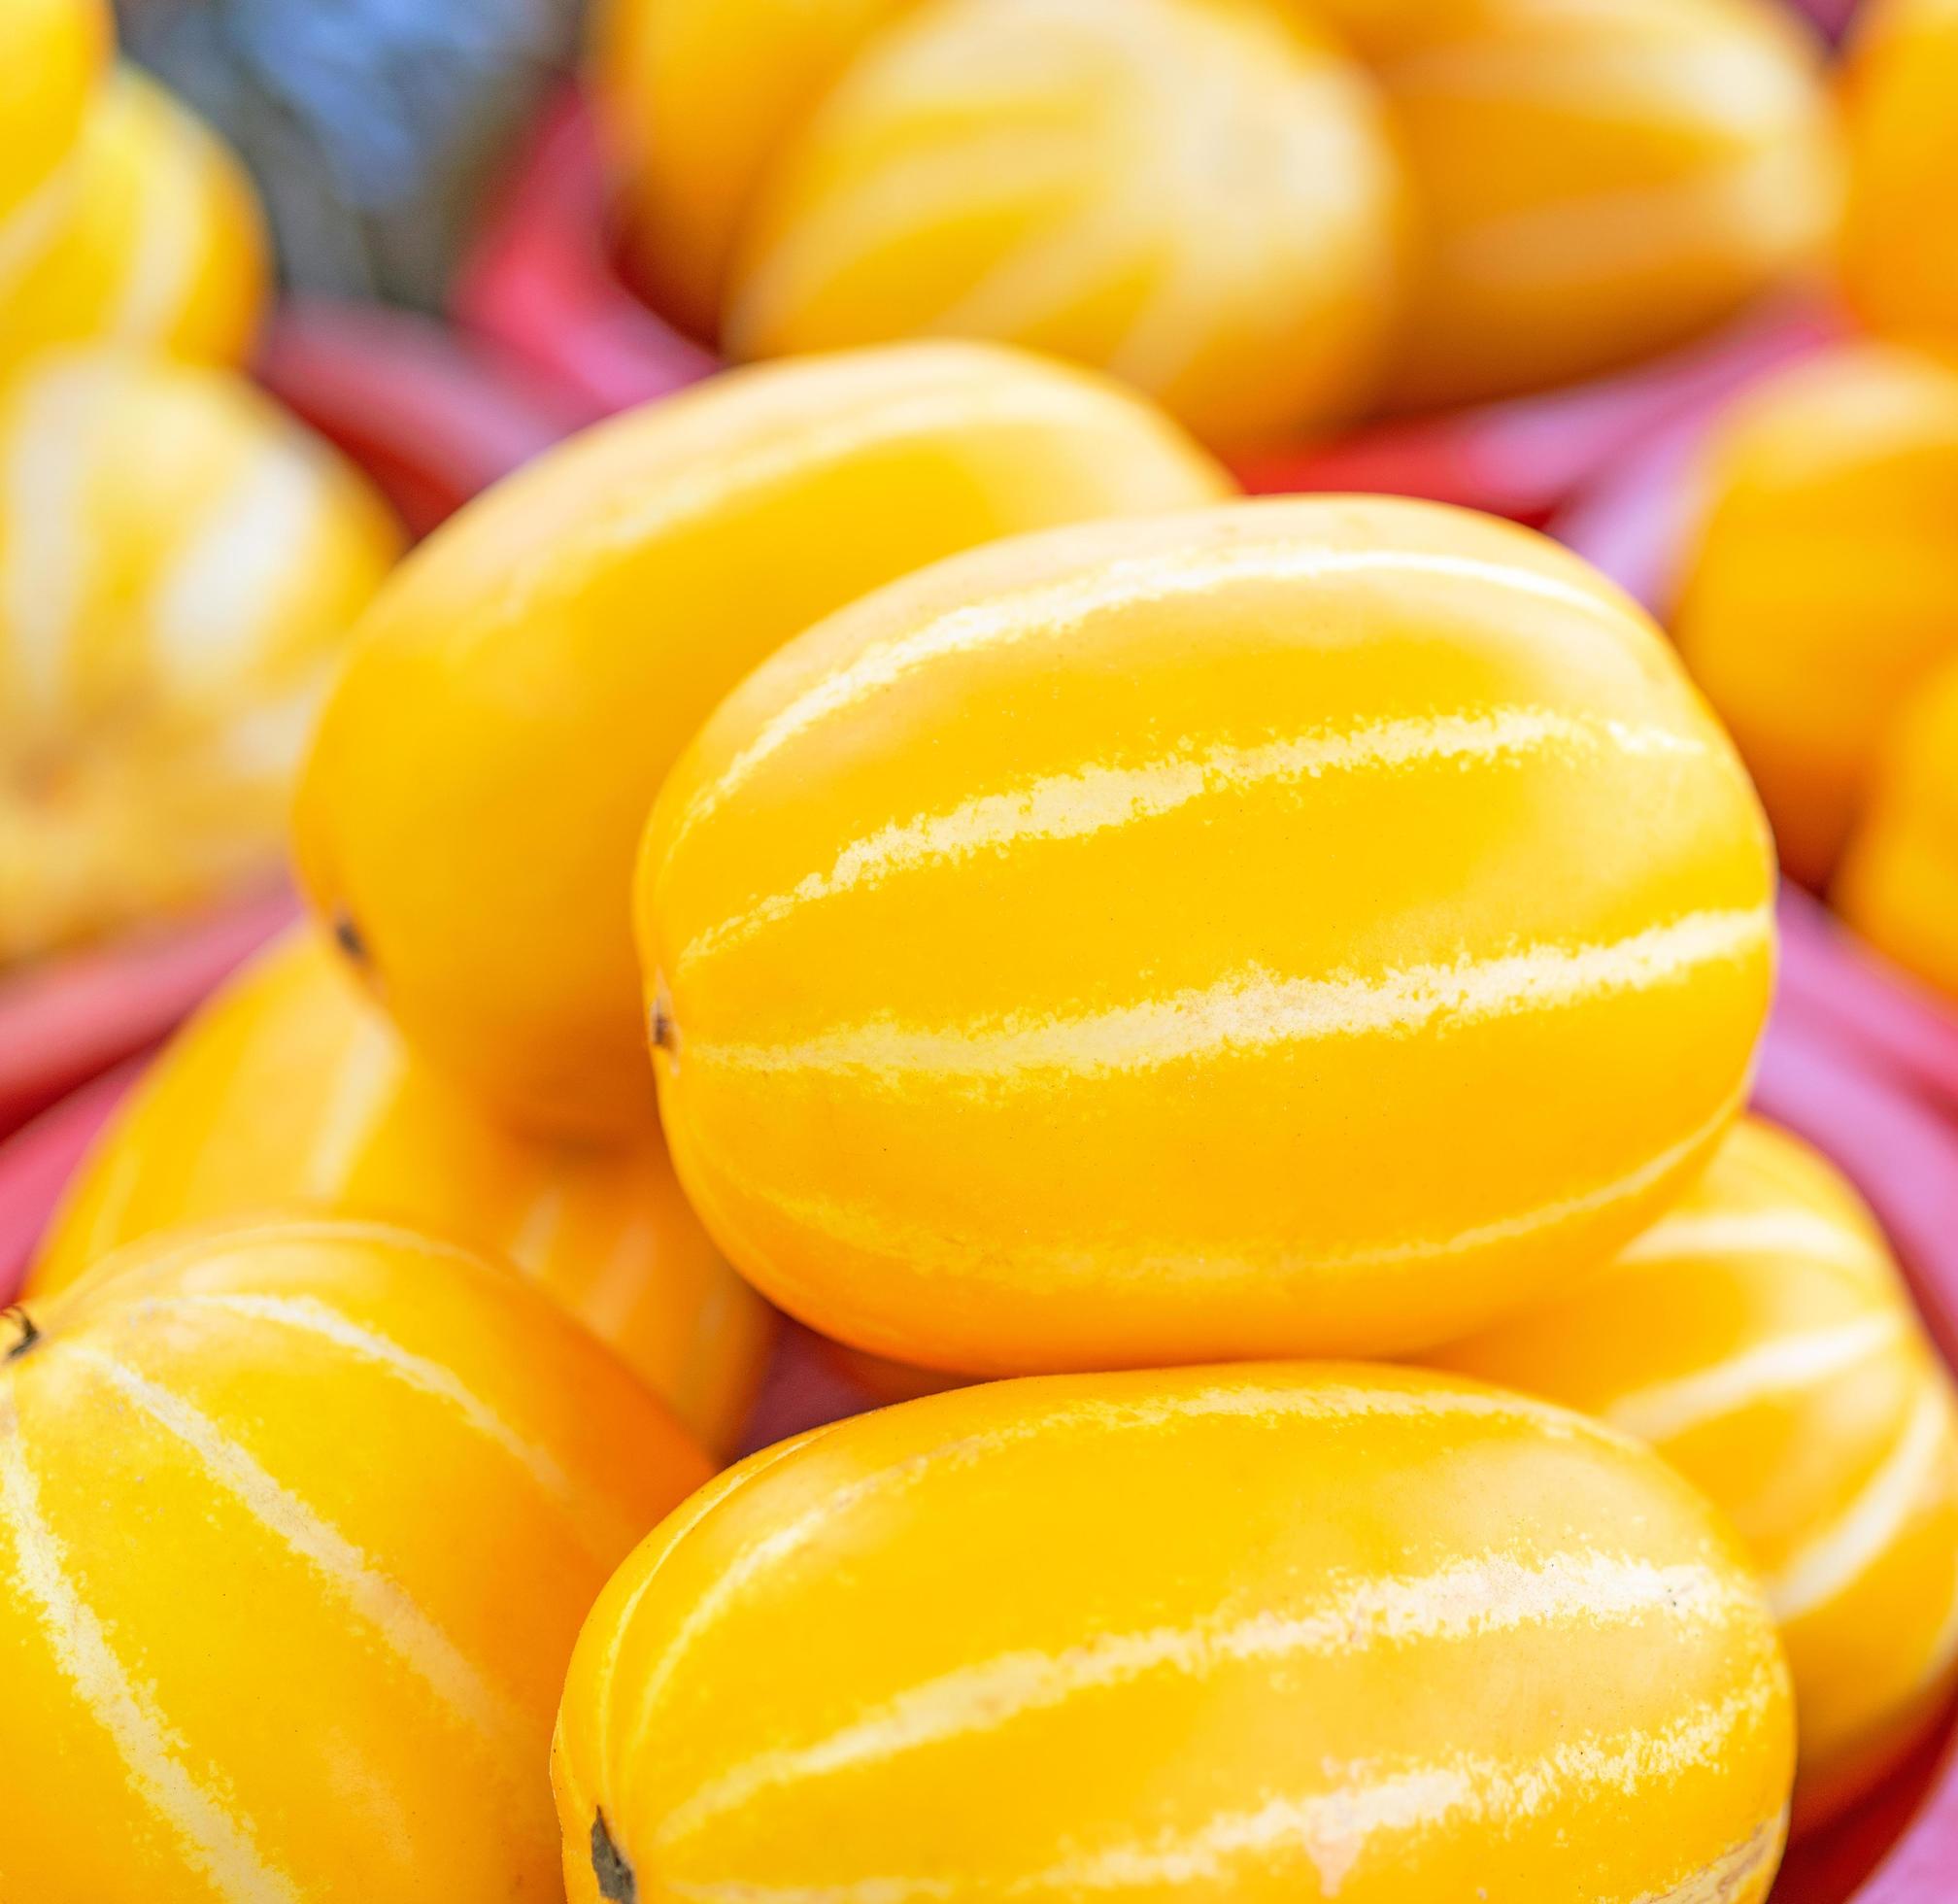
point(433, 422)
point(544, 288)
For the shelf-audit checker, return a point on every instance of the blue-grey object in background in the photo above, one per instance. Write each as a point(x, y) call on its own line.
point(375, 126)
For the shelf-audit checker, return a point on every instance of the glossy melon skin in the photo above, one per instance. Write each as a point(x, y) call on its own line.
point(1598, 182)
point(1760, 1337)
point(160, 244)
point(1897, 884)
point(1200, 196)
point(297, 1525)
point(180, 564)
point(291, 1090)
point(1900, 248)
point(1267, 1632)
point(1087, 952)
point(1822, 585)
point(487, 759)
point(52, 54)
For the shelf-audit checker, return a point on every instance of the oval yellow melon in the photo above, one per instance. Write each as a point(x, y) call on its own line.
point(1298, 926)
point(160, 245)
point(1597, 182)
point(1759, 1337)
point(485, 764)
point(1196, 195)
point(291, 1089)
point(52, 54)
point(1897, 884)
point(1900, 240)
point(178, 565)
point(1822, 585)
point(1279, 1631)
point(695, 96)
point(297, 1525)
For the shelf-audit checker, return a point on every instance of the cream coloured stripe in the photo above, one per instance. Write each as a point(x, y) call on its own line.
point(1467, 1598)
point(171, 234)
point(47, 549)
point(1254, 1010)
point(537, 1229)
point(1097, 799)
point(1046, 612)
point(1776, 1368)
point(382, 1604)
point(211, 609)
point(213, 1840)
point(1838, 1556)
point(1335, 1828)
point(1246, 1400)
point(368, 1072)
point(311, 1316)
point(1615, 236)
point(38, 220)
point(1797, 1233)
point(1733, 1877)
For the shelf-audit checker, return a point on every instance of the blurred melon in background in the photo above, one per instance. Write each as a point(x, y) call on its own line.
point(179, 563)
point(1272, 215)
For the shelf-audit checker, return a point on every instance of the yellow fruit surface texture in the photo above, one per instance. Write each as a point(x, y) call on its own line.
point(1760, 1337)
point(1901, 240)
point(297, 1525)
point(1271, 213)
point(1898, 881)
point(52, 54)
point(291, 1089)
point(486, 763)
point(1599, 181)
point(1296, 927)
point(1272, 1632)
point(159, 243)
point(178, 565)
point(1194, 195)
point(1822, 585)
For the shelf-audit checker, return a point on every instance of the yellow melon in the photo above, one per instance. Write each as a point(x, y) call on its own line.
point(1760, 1337)
point(178, 565)
point(1297, 927)
point(1283, 1631)
point(297, 1525)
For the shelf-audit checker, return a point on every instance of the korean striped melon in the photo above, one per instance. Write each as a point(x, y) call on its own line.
point(1760, 1337)
point(1597, 180)
point(1272, 1632)
point(1822, 585)
point(486, 761)
point(1900, 242)
point(52, 54)
point(1200, 196)
point(297, 1525)
point(178, 564)
point(159, 244)
point(293, 1089)
point(1298, 926)
point(1897, 883)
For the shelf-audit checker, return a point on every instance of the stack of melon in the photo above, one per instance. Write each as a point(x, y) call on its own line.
point(1095, 944)
point(1273, 215)
point(179, 560)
